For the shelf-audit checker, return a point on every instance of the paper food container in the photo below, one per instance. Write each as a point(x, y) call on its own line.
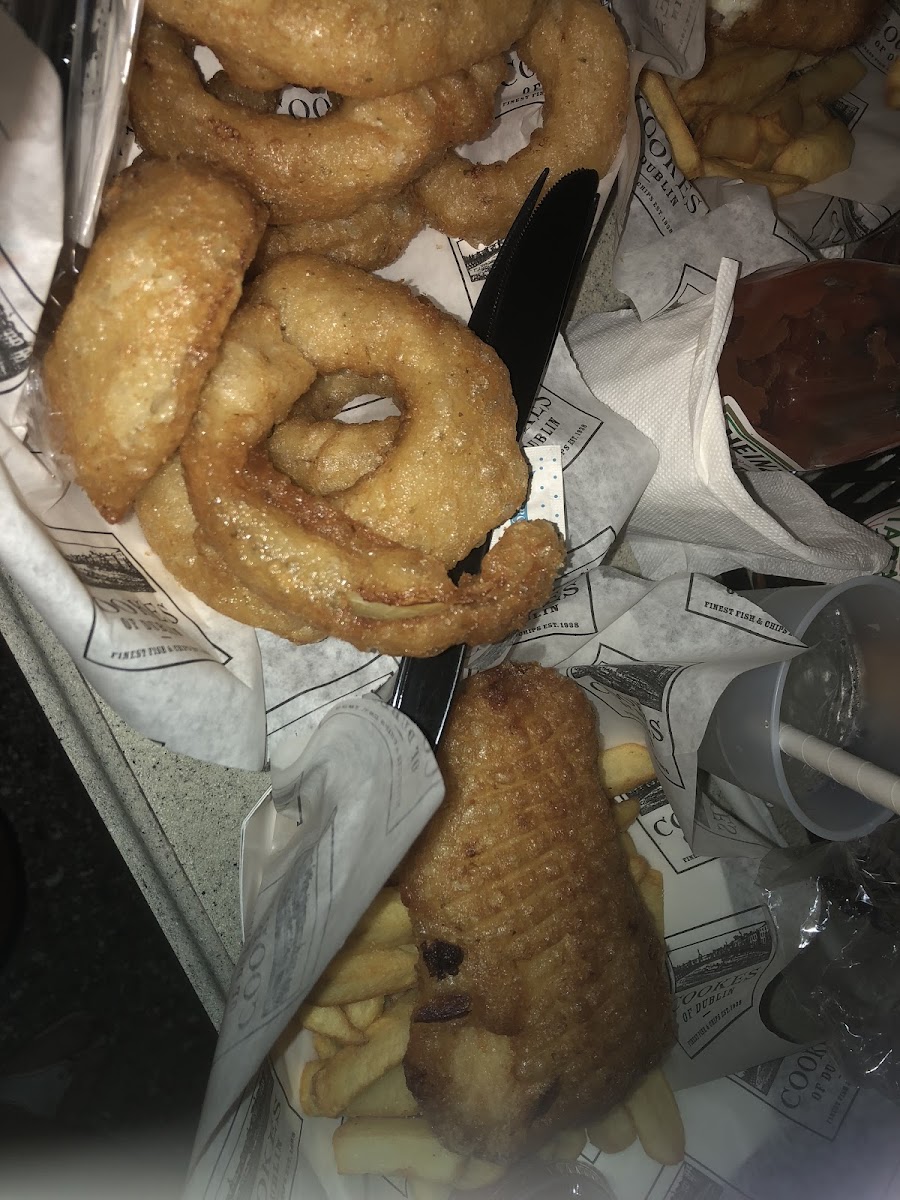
point(763, 1116)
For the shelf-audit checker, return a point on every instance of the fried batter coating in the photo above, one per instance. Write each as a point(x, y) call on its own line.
point(360, 48)
point(124, 372)
point(343, 564)
point(456, 470)
point(324, 457)
point(578, 54)
point(170, 527)
point(361, 152)
point(371, 238)
point(544, 990)
point(818, 28)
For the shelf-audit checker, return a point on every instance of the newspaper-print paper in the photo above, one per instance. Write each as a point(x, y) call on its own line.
point(676, 230)
point(347, 810)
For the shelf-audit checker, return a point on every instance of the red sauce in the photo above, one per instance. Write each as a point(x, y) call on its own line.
point(813, 359)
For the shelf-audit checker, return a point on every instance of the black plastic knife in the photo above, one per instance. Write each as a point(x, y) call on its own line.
point(518, 313)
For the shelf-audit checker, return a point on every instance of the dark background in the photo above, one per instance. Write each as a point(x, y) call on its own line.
point(103, 1042)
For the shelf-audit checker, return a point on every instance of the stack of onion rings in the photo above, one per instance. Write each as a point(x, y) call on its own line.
point(125, 368)
point(369, 563)
point(363, 151)
point(578, 54)
point(265, 506)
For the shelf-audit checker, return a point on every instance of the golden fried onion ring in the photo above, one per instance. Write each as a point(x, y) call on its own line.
point(455, 471)
point(301, 552)
point(578, 54)
point(371, 238)
point(324, 457)
point(170, 527)
point(354, 48)
point(124, 372)
point(362, 151)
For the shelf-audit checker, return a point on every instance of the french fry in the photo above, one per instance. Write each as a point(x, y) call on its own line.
point(651, 889)
point(564, 1147)
point(738, 78)
point(626, 812)
point(426, 1189)
point(307, 1078)
point(362, 1013)
point(385, 922)
point(784, 123)
point(628, 844)
point(659, 97)
point(332, 1022)
point(362, 974)
point(805, 61)
point(625, 767)
point(778, 184)
point(638, 868)
point(353, 1068)
point(830, 78)
point(324, 1046)
point(815, 156)
point(730, 135)
point(393, 1146)
point(478, 1174)
point(614, 1132)
point(387, 1096)
point(815, 117)
point(654, 1111)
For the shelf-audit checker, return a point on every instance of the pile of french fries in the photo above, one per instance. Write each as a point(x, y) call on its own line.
point(359, 1016)
point(757, 114)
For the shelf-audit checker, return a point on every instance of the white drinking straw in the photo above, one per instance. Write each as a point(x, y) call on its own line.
point(880, 786)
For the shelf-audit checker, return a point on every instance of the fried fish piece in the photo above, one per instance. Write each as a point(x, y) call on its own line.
point(794, 24)
point(544, 994)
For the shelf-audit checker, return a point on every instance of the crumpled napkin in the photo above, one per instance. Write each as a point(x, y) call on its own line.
point(698, 513)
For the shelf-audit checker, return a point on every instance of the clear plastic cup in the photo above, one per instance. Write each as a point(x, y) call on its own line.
point(845, 689)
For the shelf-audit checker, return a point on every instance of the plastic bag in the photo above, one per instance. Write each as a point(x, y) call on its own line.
point(843, 987)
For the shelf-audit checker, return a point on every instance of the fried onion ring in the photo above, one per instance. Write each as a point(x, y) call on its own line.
point(305, 555)
point(224, 88)
point(371, 238)
point(170, 527)
point(363, 50)
point(124, 371)
point(577, 52)
point(324, 457)
point(459, 415)
point(360, 152)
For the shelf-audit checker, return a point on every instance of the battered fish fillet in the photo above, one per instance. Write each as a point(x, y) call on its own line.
point(816, 26)
point(544, 991)
point(127, 363)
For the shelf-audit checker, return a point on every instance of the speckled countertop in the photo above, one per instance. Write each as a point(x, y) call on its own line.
point(176, 821)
